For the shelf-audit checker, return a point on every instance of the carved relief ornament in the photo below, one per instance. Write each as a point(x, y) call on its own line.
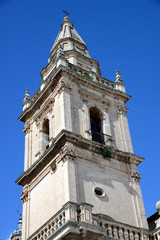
point(122, 109)
point(65, 86)
point(67, 154)
point(27, 127)
point(135, 176)
point(24, 196)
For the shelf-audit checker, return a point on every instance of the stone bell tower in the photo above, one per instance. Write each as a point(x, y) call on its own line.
point(80, 178)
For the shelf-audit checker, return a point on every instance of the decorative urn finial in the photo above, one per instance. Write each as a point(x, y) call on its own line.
point(26, 100)
point(27, 96)
point(118, 77)
point(158, 207)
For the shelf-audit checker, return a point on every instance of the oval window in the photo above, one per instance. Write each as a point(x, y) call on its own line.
point(99, 192)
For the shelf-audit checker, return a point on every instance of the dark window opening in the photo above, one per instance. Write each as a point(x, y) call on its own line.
point(96, 126)
point(46, 133)
point(99, 192)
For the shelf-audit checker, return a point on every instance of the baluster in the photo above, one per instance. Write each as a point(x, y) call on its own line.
point(41, 235)
point(109, 231)
point(120, 233)
point(115, 234)
point(136, 236)
point(52, 227)
point(38, 237)
point(102, 82)
point(48, 230)
point(56, 225)
point(60, 221)
point(63, 218)
point(45, 236)
point(145, 237)
point(131, 236)
point(126, 235)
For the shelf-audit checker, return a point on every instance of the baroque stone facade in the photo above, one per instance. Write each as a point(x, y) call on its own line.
point(70, 189)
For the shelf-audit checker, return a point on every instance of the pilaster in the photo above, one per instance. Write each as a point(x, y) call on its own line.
point(124, 128)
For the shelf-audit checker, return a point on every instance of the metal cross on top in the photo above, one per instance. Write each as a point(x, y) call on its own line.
point(66, 13)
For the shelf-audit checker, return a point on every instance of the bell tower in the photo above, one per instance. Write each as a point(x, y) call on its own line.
point(80, 178)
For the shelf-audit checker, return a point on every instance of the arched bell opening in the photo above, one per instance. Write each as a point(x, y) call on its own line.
point(96, 125)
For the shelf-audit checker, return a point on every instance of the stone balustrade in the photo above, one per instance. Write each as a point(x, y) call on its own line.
point(50, 227)
point(156, 235)
point(81, 215)
point(121, 231)
point(91, 76)
point(68, 212)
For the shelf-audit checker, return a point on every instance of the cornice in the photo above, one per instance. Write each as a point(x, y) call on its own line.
point(78, 141)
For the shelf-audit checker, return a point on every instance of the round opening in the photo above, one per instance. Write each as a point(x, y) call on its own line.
point(99, 192)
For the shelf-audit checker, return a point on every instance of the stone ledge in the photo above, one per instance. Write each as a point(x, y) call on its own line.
point(77, 140)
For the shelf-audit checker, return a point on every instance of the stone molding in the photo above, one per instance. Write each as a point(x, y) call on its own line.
point(66, 136)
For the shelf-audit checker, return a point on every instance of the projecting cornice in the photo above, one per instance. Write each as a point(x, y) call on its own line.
point(78, 141)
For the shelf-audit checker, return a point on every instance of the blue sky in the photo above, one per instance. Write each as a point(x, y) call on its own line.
point(121, 34)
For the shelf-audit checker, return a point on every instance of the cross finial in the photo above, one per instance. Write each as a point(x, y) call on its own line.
point(66, 13)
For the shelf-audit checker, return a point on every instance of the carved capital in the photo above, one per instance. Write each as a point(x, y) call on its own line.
point(26, 128)
point(122, 109)
point(24, 197)
point(135, 176)
point(65, 85)
point(67, 154)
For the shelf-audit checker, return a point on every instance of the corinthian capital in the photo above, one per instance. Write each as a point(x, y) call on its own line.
point(135, 176)
point(122, 109)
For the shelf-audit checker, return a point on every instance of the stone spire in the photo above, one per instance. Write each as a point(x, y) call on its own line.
point(26, 100)
point(69, 39)
point(118, 77)
point(119, 82)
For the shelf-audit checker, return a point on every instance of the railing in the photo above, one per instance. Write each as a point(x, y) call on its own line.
point(101, 138)
point(50, 228)
point(82, 214)
point(121, 231)
point(68, 212)
point(156, 235)
point(98, 137)
point(90, 76)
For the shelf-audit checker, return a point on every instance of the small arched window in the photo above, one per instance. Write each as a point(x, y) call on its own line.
point(45, 132)
point(96, 125)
